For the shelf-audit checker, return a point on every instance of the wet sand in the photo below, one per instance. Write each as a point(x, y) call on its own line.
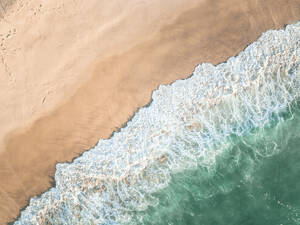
point(63, 91)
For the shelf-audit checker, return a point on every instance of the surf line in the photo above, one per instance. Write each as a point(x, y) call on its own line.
point(178, 130)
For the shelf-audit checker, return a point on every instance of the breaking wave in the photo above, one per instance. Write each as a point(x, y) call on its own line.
point(186, 126)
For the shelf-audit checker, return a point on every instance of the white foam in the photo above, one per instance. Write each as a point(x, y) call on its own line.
point(178, 130)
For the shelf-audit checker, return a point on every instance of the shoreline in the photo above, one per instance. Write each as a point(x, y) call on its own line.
point(65, 143)
point(138, 111)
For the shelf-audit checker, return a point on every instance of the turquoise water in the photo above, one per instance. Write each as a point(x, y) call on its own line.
point(256, 180)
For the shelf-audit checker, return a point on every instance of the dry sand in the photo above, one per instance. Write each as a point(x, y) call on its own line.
point(73, 71)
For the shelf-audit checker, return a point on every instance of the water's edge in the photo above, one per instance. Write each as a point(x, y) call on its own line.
point(125, 125)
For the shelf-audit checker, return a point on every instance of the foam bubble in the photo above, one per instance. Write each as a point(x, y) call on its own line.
point(185, 126)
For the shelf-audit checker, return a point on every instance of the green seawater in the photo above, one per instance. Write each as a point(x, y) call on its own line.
point(255, 180)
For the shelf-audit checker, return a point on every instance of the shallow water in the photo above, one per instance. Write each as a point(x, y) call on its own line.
point(256, 180)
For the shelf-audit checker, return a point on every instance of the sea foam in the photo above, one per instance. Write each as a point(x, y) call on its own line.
point(183, 127)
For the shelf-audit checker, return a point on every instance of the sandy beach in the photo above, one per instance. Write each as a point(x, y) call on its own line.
point(74, 72)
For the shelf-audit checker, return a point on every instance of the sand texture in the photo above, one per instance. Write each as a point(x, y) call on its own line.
point(72, 72)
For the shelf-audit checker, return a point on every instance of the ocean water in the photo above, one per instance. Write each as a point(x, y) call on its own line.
point(220, 147)
point(256, 180)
